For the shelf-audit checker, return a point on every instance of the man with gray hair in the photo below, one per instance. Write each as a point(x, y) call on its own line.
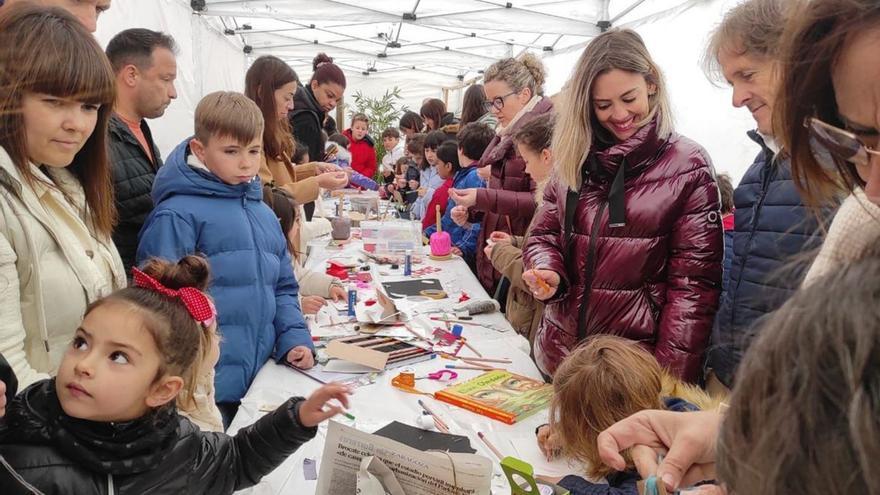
point(772, 225)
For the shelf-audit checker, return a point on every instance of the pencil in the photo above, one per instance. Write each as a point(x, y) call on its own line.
point(465, 342)
point(436, 418)
point(459, 367)
point(488, 360)
point(489, 444)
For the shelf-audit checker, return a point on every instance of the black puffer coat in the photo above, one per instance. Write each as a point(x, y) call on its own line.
point(162, 453)
point(133, 175)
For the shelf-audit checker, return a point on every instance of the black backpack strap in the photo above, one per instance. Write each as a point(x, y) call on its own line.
point(572, 197)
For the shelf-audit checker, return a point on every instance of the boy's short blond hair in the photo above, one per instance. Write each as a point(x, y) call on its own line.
point(230, 114)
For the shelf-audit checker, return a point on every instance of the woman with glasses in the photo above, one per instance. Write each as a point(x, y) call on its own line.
point(830, 117)
point(629, 239)
point(514, 95)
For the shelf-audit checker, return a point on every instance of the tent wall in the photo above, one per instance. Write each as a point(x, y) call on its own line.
point(207, 61)
point(210, 61)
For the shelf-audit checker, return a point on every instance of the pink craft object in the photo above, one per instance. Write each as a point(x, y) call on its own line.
point(441, 244)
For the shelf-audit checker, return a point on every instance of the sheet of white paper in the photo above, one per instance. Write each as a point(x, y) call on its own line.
point(526, 448)
point(342, 366)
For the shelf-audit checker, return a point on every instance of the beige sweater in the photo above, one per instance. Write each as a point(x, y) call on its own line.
point(855, 228)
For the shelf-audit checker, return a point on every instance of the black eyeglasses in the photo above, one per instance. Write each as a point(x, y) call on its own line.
point(829, 142)
point(497, 103)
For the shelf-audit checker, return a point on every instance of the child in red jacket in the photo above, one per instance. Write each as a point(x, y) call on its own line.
point(362, 148)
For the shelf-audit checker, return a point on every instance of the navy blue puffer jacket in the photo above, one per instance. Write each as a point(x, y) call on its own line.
point(772, 227)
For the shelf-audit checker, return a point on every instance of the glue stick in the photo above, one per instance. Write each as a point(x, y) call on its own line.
point(407, 264)
point(352, 299)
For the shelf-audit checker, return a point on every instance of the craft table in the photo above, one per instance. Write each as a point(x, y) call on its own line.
point(376, 405)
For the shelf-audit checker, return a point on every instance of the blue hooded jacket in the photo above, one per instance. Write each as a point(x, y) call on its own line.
point(464, 239)
point(252, 284)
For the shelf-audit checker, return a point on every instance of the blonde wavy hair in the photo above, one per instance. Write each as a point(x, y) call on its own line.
point(577, 125)
point(525, 71)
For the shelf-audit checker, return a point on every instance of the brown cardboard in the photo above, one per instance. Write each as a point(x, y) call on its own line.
point(356, 354)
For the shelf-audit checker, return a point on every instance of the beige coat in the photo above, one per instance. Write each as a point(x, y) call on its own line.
point(52, 265)
point(299, 180)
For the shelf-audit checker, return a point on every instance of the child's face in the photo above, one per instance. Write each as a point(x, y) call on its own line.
point(293, 235)
point(109, 371)
point(231, 161)
point(431, 156)
point(390, 143)
point(444, 170)
point(359, 130)
point(538, 164)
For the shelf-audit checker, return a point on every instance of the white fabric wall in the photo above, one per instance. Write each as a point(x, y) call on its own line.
point(210, 61)
point(207, 61)
point(703, 110)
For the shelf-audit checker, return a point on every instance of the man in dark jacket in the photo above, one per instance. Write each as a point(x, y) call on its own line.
point(772, 225)
point(145, 67)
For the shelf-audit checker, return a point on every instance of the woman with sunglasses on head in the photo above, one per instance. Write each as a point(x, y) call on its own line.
point(628, 240)
point(830, 118)
point(515, 96)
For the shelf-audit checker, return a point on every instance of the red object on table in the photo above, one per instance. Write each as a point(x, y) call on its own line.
point(336, 270)
point(464, 297)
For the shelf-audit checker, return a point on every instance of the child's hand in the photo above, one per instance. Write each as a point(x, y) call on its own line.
point(459, 215)
point(312, 304)
point(2, 399)
point(549, 443)
point(338, 293)
point(543, 283)
point(301, 357)
point(312, 411)
point(422, 191)
point(485, 172)
point(333, 180)
point(456, 251)
point(499, 237)
point(464, 197)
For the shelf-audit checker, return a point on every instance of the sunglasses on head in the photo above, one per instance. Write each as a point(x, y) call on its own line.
point(830, 144)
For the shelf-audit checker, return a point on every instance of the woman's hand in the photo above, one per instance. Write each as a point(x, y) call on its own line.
point(2, 398)
point(327, 167)
point(333, 180)
point(543, 283)
point(498, 237)
point(688, 439)
point(312, 304)
point(338, 293)
point(549, 443)
point(301, 357)
point(463, 197)
point(459, 215)
point(318, 408)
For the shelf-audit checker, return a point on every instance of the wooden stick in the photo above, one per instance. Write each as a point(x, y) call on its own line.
point(489, 444)
point(488, 360)
point(460, 367)
point(465, 342)
point(439, 227)
point(436, 417)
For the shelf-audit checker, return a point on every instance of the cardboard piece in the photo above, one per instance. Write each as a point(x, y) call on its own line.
point(425, 440)
point(356, 354)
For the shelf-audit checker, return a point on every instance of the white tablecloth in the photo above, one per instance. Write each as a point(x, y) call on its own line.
point(376, 405)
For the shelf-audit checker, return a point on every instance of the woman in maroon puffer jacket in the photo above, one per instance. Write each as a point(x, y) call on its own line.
point(513, 89)
point(644, 233)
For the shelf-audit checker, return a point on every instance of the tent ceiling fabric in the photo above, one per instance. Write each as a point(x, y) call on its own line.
point(443, 41)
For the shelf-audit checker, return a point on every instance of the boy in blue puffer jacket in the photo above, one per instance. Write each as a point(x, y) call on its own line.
point(464, 237)
point(209, 200)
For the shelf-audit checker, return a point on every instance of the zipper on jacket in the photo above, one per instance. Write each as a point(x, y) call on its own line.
point(766, 179)
point(590, 271)
point(110, 489)
point(249, 215)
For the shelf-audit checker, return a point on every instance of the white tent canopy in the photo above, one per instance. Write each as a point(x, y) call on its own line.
point(426, 46)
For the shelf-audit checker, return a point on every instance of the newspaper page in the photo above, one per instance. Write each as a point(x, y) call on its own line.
point(419, 473)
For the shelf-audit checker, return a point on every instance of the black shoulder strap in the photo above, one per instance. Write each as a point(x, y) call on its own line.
point(572, 197)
